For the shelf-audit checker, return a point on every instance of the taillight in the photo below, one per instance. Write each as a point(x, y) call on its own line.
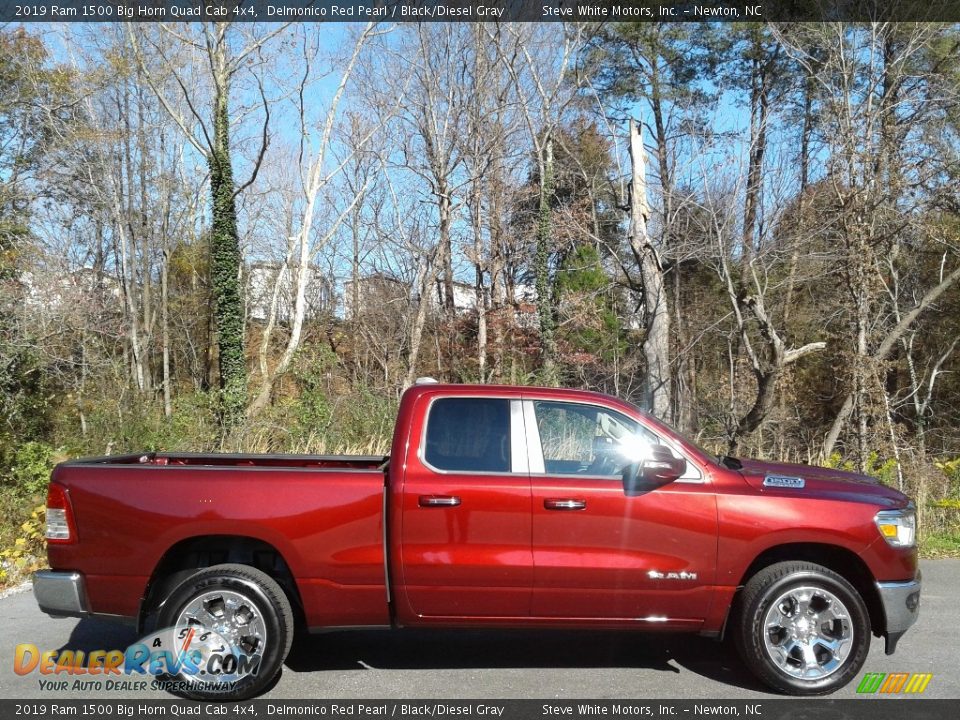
point(60, 527)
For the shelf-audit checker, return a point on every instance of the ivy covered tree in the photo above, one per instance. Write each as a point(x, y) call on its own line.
point(225, 256)
point(225, 51)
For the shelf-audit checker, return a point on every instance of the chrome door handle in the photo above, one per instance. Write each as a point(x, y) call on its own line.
point(439, 501)
point(564, 504)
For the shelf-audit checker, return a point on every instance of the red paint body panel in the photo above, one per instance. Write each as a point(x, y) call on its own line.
point(325, 523)
point(596, 562)
point(497, 558)
point(471, 560)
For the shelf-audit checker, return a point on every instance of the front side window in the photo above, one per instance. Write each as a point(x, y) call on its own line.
point(468, 435)
point(579, 439)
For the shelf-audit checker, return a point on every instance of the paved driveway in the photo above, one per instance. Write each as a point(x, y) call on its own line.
point(495, 664)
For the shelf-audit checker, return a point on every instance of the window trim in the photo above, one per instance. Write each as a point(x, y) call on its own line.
point(525, 441)
point(538, 466)
point(517, 453)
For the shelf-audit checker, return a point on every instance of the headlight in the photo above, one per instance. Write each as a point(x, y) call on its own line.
point(898, 527)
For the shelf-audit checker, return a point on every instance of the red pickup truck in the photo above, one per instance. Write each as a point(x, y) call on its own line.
point(497, 507)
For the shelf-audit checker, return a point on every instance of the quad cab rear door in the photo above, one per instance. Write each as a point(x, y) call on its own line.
point(465, 549)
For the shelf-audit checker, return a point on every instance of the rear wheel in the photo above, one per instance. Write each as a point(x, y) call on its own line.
point(232, 627)
point(802, 628)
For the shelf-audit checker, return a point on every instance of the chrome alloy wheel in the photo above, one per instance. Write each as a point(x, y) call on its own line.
point(223, 622)
point(808, 632)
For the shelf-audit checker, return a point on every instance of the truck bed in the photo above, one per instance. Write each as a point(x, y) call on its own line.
point(323, 515)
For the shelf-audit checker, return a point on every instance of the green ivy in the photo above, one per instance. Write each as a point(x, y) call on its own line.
point(225, 272)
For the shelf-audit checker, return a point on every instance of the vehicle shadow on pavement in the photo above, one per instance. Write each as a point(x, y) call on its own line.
point(92, 634)
point(432, 649)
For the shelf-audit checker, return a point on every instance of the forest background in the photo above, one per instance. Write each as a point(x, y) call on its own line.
point(253, 238)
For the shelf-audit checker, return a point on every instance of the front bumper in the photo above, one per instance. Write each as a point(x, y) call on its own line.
point(901, 607)
point(61, 594)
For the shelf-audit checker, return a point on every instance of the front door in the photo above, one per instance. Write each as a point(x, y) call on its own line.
point(599, 554)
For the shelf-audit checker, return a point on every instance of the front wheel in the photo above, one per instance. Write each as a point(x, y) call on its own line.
point(802, 628)
point(231, 628)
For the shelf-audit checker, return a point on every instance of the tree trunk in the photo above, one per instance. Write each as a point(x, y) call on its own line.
point(541, 261)
point(681, 406)
point(446, 245)
point(501, 304)
point(146, 254)
point(861, 369)
point(480, 295)
point(805, 135)
point(759, 105)
point(165, 332)
point(656, 343)
point(424, 281)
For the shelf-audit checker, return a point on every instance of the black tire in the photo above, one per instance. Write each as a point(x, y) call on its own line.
point(269, 606)
point(818, 628)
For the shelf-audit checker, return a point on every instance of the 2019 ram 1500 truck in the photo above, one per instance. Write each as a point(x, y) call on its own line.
point(497, 507)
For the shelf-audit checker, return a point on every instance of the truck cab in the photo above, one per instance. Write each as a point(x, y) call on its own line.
point(510, 506)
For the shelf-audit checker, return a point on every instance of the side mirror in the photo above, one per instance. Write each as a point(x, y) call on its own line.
point(660, 469)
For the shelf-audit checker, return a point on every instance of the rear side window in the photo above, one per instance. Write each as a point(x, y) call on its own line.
point(469, 435)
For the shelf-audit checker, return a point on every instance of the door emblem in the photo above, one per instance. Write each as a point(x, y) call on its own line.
point(682, 575)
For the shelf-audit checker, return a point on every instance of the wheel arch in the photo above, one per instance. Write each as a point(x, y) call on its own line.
point(841, 560)
point(192, 554)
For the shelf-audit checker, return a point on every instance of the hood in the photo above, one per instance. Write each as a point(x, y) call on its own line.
point(797, 480)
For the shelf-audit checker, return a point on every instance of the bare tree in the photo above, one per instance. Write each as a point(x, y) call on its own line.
point(434, 110)
point(133, 167)
point(490, 126)
point(881, 91)
point(656, 341)
point(541, 73)
point(752, 298)
point(302, 245)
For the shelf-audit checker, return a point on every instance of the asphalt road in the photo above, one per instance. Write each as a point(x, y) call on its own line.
point(502, 665)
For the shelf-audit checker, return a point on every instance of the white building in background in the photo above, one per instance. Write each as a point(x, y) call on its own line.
point(54, 290)
point(464, 296)
point(261, 280)
point(382, 292)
